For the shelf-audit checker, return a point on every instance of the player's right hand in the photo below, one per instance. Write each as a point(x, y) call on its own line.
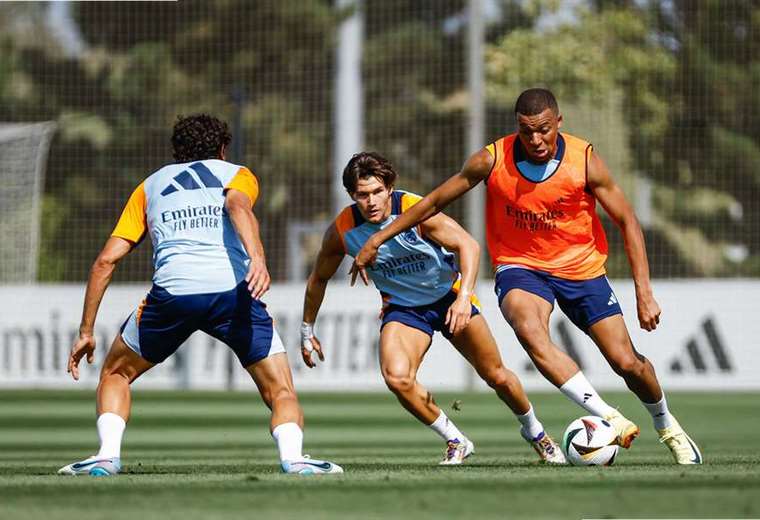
point(309, 345)
point(366, 256)
point(84, 345)
point(258, 277)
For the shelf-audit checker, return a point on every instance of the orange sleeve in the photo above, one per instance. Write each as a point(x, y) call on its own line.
point(245, 181)
point(133, 222)
point(343, 223)
point(408, 200)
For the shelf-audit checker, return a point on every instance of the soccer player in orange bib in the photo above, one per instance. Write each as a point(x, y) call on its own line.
point(210, 273)
point(547, 244)
point(423, 292)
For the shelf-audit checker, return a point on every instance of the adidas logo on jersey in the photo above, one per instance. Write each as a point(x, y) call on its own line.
point(185, 180)
point(698, 354)
point(612, 300)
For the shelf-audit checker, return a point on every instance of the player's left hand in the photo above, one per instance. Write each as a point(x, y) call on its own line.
point(258, 277)
point(458, 315)
point(85, 345)
point(648, 310)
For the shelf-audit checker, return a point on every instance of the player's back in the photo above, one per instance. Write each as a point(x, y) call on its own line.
point(195, 247)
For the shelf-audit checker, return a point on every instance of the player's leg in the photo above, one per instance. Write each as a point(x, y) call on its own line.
point(120, 368)
point(275, 383)
point(246, 327)
point(611, 336)
point(528, 315)
point(402, 348)
point(478, 346)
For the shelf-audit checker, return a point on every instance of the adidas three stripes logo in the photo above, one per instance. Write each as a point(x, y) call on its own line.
point(186, 181)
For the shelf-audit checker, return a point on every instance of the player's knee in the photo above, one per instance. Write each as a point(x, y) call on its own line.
point(499, 378)
point(530, 332)
point(398, 381)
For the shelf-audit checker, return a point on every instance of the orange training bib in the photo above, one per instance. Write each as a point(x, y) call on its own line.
point(549, 224)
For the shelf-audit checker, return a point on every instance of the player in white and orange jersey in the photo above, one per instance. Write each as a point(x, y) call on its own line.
point(210, 273)
point(547, 244)
point(423, 292)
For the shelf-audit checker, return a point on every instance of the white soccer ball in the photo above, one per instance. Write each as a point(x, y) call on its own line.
point(590, 441)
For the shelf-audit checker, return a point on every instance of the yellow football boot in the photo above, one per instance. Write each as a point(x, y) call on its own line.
point(626, 430)
point(684, 449)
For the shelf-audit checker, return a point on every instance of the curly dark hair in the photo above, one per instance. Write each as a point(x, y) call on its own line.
point(368, 164)
point(198, 137)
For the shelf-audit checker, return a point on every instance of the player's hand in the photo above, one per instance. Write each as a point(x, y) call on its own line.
point(309, 344)
point(366, 256)
point(458, 315)
point(85, 345)
point(258, 277)
point(648, 311)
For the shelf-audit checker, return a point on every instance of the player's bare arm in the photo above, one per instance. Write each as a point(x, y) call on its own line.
point(445, 231)
point(239, 208)
point(612, 198)
point(475, 170)
point(328, 260)
point(101, 273)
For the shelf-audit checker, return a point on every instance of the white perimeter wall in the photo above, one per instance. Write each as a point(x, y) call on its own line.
point(708, 339)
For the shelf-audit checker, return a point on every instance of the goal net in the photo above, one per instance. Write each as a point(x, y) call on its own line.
point(23, 155)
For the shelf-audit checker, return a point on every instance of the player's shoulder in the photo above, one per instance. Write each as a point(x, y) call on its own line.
point(406, 199)
point(211, 172)
point(573, 142)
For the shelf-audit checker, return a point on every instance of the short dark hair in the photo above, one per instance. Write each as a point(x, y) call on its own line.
point(198, 137)
point(368, 164)
point(534, 101)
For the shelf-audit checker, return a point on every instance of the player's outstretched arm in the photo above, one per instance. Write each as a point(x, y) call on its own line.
point(612, 198)
point(446, 232)
point(240, 209)
point(328, 260)
point(101, 273)
point(476, 169)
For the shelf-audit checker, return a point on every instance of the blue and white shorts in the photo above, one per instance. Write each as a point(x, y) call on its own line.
point(164, 321)
point(583, 301)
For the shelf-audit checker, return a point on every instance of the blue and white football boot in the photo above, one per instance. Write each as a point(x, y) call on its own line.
point(94, 466)
point(309, 466)
point(548, 450)
point(456, 451)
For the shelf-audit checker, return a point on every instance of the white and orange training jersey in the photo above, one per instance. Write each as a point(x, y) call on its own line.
point(195, 247)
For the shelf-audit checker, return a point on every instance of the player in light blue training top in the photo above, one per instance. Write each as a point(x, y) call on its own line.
point(423, 292)
point(210, 273)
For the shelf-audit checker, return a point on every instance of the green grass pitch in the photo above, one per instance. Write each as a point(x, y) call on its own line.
point(209, 455)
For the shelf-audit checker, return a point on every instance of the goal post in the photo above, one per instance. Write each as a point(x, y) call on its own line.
point(23, 157)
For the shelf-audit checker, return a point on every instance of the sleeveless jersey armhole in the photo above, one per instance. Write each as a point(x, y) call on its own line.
point(492, 150)
point(343, 224)
point(589, 149)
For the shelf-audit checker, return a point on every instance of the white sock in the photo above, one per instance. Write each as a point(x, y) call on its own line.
point(531, 426)
point(580, 390)
point(660, 413)
point(289, 439)
point(110, 430)
point(446, 428)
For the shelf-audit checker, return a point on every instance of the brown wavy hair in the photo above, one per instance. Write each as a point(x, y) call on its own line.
point(368, 164)
point(198, 137)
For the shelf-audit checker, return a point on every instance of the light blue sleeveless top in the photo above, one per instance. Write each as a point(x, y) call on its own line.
point(410, 270)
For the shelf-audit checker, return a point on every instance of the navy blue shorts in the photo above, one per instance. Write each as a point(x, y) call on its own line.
point(164, 321)
point(583, 301)
point(427, 318)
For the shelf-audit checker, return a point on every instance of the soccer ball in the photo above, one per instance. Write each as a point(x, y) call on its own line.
point(590, 441)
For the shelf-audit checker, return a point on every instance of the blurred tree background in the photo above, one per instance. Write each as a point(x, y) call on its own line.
point(667, 92)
